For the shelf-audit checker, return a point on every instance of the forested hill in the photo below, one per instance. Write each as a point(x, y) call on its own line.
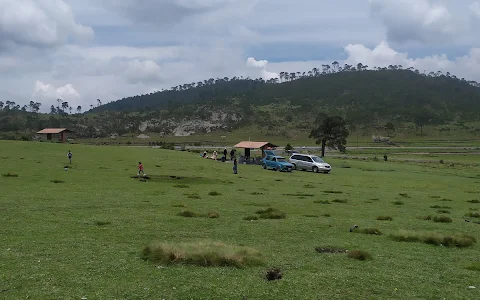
point(354, 93)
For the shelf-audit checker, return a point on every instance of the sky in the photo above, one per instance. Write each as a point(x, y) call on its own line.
point(83, 50)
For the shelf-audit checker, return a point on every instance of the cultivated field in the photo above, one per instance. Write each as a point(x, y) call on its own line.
point(82, 233)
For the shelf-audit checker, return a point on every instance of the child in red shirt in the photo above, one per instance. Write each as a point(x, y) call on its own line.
point(140, 169)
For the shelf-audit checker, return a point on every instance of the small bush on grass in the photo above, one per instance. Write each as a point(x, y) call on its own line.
point(473, 215)
point(438, 206)
point(327, 215)
point(333, 192)
point(473, 201)
point(310, 216)
point(384, 218)
point(433, 238)
point(443, 211)
point(474, 267)
point(300, 195)
point(426, 218)
point(273, 274)
point(435, 197)
point(445, 200)
point(271, 213)
point(374, 231)
point(204, 254)
point(214, 193)
point(442, 219)
point(359, 254)
point(193, 196)
point(340, 201)
point(405, 195)
point(256, 193)
point(179, 205)
point(398, 203)
point(213, 215)
point(309, 186)
point(102, 223)
point(322, 201)
point(57, 181)
point(250, 218)
point(189, 214)
point(9, 175)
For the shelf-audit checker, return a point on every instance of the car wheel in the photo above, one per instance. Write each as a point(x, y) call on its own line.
point(294, 166)
point(264, 166)
point(277, 168)
point(315, 169)
point(326, 172)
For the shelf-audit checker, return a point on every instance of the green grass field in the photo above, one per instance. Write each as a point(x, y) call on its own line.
point(79, 234)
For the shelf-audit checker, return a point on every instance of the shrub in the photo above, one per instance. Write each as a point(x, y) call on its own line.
point(273, 274)
point(102, 223)
point(327, 215)
point(193, 196)
point(384, 218)
point(271, 213)
point(446, 200)
point(435, 197)
point(205, 254)
point(309, 186)
point(188, 214)
point(340, 201)
point(473, 201)
point(473, 215)
point(250, 218)
point(333, 192)
point(426, 218)
point(374, 231)
point(442, 219)
point(310, 216)
point(9, 175)
point(474, 267)
point(213, 215)
point(398, 203)
point(322, 201)
point(435, 206)
point(433, 238)
point(405, 195)
point(214, 193)
point(443, 211)
point(359, 254)
point(57, 181)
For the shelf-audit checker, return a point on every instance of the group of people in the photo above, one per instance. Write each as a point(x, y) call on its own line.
point(224, 158)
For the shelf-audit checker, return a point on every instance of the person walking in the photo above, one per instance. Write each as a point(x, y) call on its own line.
point(140, 169)
point(69, 155)
point(232, 154)
point(235, 165)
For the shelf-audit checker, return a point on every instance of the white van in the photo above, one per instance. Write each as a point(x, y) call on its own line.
point(309, 163)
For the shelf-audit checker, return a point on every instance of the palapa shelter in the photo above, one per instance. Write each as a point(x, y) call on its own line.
point(60, 132)
point(247, 145)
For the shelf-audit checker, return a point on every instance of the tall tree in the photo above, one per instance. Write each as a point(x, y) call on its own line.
point(1, 104)
point(99, 102)
point(331, 132)
point(79, 109)
point(65, 106)
point(53, 110)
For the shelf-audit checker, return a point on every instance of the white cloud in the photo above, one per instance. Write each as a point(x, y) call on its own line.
point(39, 23)
point(146, 71)
point(414, 20)
point(475, 8)
point(262, 66)
point(48, 94)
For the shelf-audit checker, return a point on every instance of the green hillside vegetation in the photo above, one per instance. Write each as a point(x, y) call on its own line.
point(388, 100)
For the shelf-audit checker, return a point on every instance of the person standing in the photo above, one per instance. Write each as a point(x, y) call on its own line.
point(69, 155)
point(225, 153)
point(140, 169)
point(235, 165)
point(232, 154)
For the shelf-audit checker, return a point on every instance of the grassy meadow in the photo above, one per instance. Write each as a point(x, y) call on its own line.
point(194, 230)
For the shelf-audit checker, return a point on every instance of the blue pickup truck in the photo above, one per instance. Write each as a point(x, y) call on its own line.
point(275, 162)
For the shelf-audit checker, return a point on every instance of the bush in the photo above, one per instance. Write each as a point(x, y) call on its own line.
point(188, 214)
point(214, 193)
point(442, 219)
point(322, 201)
point(433, 238)
point(384, 218)
point(9, 175)
point(426, 218)
point(359, 254)
point(443, 211)
point(102, 223)
point(340, 201)
point(405, 195)
point(473, 201)
point(193, 196)
point(250, 218)
point(288, 147)
point(57, 181)
point(473, 215)
point(213, 215)
point(205, 254)
point(310, 216)
point(333, 192)
point(271, 213)
point(398, 203)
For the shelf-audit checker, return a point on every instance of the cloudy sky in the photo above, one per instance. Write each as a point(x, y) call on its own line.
point(81, 50)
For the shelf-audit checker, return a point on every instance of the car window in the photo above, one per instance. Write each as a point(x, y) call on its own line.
point(317, 159)
point(295, 157)
point(280, 159)
point(308, 159)
point(274, 159)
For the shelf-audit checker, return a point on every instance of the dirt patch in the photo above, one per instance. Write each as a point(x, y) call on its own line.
point(274, 274)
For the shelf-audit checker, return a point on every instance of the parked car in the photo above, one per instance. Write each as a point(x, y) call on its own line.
point(309, 163)
point(278, 163)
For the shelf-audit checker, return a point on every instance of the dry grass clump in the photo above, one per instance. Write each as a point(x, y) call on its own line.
point(473, 215)
point(213, 215)
point(433, 238)
point(442, 219)
point(473, 201)
point(359, 254)
point(398, 203)
point(204, 253)
point(475, 266)
point(330, 250)
point(9, 175)
point(250, 218)
point(374, 231)
point(214, 193)
point(340, 201)
point(270, 213)
point(322, 201)
point(384, 218)
point(443, 211)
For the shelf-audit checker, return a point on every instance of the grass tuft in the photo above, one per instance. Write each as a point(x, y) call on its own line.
point(442, 219)
point(475, 266)
point(340, 201)
point(179, 205)
point(322, 201)
point(359, 254)
point(188, 214)
point(193, 196)
point(473, 215)
point(405, 195)
point(398, 203)
point(433, 238)
point(213, 215)
point(214, 193)
point(473, 201)
point(204, 254)
point(9, 175)
point(57, 181)
point(327, 215)
point(310, 216)
point(102, 223)
point(374, 231)
point(435, 197)
point(384, 218)
point(250, 218)
point(333, 192)
point(426, 218)
point(446, 200)
point(270, 213)
point(256, 193)
point(443, 211)
point(299, 195)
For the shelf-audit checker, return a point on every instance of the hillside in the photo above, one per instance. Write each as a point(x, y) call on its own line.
point(365, 98)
